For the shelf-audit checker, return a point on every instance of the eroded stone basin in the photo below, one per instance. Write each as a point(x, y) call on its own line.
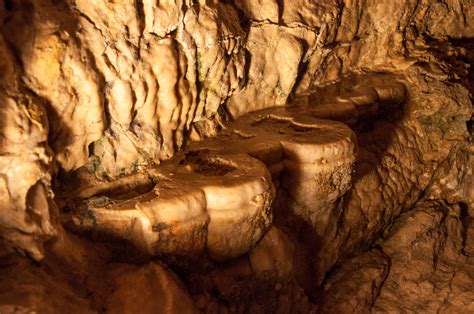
point(216, 196)
point(213, 201)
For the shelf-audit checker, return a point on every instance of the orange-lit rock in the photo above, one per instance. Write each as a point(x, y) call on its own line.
point(277, 156)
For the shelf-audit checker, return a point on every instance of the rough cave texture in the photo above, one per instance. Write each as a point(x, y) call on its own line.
point(236, 156)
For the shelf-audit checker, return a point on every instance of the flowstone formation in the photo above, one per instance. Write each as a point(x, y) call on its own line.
point(236, 156)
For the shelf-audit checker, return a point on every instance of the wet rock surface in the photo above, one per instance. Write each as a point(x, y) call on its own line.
point(144, 166)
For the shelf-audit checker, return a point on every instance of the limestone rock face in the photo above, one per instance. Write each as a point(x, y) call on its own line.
point(437, 264)
point(278, 156)
point(25, 161)
point(424, 261)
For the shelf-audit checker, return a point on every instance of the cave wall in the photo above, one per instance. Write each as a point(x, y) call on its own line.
point(114, 86)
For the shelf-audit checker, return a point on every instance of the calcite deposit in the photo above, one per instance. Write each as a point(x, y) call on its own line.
point(236, 156)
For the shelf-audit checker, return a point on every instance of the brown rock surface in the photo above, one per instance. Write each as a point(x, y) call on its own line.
point(146, 289)
point(431, 270)
point(149, 128)
point(423, 264)
point(28, 288)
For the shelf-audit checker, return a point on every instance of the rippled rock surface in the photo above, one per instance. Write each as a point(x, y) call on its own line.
point(236, 156)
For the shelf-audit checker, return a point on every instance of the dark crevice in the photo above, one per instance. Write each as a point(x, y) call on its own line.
point(9, 5)
point(302, 69)
point(281, 8)
point(244, 20)
point(141, 24)
point(466, 221)
point(386, 273)
point(248, 60)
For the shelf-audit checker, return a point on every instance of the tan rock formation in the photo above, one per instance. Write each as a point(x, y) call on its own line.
point(25, 162)
point(150, 129)
point(218, 202)
point(422, 266)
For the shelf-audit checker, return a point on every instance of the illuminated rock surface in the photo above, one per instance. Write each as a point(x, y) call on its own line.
point(236, 156)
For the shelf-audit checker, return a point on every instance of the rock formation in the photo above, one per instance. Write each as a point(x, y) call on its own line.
point(236, 156)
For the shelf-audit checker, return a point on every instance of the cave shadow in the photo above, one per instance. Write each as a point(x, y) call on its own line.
point(375, 134)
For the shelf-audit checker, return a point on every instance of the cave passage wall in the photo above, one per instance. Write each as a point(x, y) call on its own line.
point(113, 87)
